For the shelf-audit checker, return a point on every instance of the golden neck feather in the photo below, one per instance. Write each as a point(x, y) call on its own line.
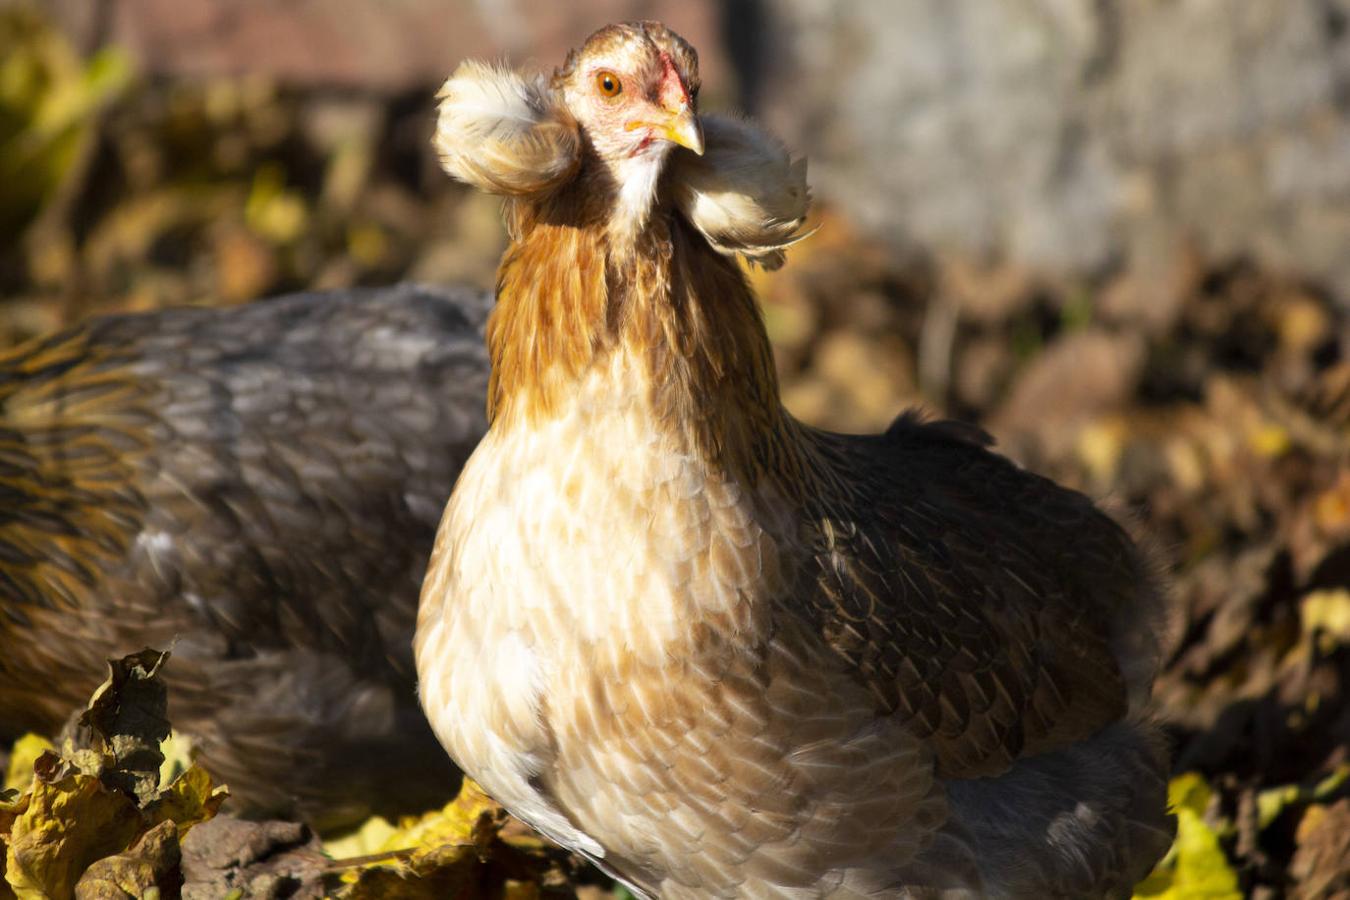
point(570, 296)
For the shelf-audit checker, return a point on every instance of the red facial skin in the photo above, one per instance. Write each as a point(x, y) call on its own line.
point(672, 92)
point(639, 104)
point(653, 107)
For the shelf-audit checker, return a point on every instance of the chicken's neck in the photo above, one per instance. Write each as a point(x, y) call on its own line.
point(573, 298)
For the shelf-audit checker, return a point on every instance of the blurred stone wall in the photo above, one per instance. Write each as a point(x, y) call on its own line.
point(1078, 135)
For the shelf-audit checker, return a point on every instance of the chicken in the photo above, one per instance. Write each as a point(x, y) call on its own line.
point(258, 489)
point(719, 652)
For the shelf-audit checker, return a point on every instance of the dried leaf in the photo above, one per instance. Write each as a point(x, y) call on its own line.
point(274, 212)
point(68, 824)
point(26, 750)
point(127, 719)
point(178, 753)
point(1273, 801)
point(84, 807)
point(1319, 864)
point(226, 857)
point(450, 851)
point(1196, 866)
point(48, 101)
point(149, 869)
point(189, 800)
point(372, 837)
point(1328, 612)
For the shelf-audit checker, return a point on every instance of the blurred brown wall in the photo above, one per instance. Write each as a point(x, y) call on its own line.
point(384, 45)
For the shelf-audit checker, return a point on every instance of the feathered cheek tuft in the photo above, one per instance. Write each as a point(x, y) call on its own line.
point(504, 133)
point(745, 195)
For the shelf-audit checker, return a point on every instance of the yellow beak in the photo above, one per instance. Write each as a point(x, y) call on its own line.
point(680, 126)
point(684, 129)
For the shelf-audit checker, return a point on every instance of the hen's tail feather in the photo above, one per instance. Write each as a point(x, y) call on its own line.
point(1085, 821)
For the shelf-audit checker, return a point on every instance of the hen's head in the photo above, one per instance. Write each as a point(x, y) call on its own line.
point(612, 115)
point(633, 89)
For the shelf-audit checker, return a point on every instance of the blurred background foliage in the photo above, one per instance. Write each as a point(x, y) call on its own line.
point(122, 191)
point(1192, 375)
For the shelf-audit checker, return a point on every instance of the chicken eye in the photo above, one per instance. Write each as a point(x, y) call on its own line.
point(608, 84)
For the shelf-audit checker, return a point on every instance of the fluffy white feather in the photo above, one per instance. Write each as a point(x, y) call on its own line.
point(504, 133)
point(745, 194)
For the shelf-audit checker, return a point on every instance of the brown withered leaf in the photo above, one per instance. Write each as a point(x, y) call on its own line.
point(69, 834)
point(227, 856)
point(148, 868)
point(1319, 865)
point(126, 721)
point(69, 823)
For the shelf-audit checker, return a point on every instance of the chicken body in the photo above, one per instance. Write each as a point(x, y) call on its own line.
point(724, 654)
point(257, 489)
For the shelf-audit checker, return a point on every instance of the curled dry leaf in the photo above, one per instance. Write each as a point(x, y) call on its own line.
point(93, 820)
point(459, 850)
point(148, 869)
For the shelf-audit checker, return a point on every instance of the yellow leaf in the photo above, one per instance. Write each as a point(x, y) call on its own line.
point(69, 823)
point(436, 855)
point(1273, 801)
point(25, 752)
point(1100, 446)
point(190, 799)
point(1189, 791)
point(457, 823)
point(278, 214)
point(48, 101)
point(1326, 611)
point(1196, 866)
point(1268, 440)
point(72, 101)
point(454, 823)
point(177, 750)
point(367, 244)
point(372, 837)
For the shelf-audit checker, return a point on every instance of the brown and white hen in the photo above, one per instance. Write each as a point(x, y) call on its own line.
point(719, 652)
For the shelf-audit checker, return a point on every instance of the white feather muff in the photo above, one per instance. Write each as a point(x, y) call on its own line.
point(504, 133)
point(745, 194)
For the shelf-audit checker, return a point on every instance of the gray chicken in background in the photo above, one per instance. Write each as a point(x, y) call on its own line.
point(257, 488)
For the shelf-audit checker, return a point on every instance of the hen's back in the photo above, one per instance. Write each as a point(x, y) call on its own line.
point(1016, 629)
point(258, 487)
